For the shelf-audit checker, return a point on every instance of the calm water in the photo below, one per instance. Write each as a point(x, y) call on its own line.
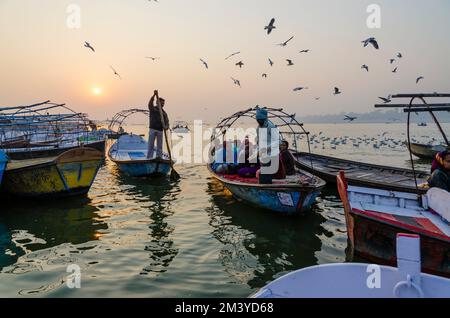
point(140, 238)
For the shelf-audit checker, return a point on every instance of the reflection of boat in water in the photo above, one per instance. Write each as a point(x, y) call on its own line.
point(251, 249)
point(71, 173)
point(129, 153)
point(363, 280)
point(426, 151)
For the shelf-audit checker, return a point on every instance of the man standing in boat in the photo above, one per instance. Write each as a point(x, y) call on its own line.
point(156, 127)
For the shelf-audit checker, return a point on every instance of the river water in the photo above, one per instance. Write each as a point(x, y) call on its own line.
point(140, 238)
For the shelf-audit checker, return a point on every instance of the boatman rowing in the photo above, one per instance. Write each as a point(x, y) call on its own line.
point(156, 127)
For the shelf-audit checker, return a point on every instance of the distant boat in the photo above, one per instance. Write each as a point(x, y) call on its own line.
point(426, 151)
point(3, 161)
point(422, 124)
point(129, 153)
point(71, 173)
point(356, 280)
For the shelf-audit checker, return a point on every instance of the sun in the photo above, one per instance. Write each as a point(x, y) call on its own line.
point(97, 91)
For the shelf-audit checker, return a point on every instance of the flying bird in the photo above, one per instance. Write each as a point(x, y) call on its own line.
point(270, 62)
point(290, 63)
point(317, 98)
point(286, 42)
point(399, 55)
point(371, 41)
point(304, 51)
point(240, 64)
point(418, 79)
point(271, 26)
point(115, 72)
point(204, 63)
point(88, 45)
point(395, 70)
point(337, 91)
point(350, 118)
point(236, 82)
point(297, 89)
point(392, 61)
point(386, 99)
point(264, 75)
point(365, 67)
point(152, 58)
point(231, 55)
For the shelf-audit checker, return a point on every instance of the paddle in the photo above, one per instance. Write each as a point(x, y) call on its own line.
point(174, 176)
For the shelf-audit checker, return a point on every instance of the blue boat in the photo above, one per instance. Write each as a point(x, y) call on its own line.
point(293, 195)
point(3, 161)
point(129, 153)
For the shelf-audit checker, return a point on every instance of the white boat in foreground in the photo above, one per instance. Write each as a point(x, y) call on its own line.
point(353, 280)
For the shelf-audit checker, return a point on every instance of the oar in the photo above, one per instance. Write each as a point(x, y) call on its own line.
point(174, 176)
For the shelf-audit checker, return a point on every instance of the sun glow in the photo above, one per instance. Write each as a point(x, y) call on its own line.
point(97, 91)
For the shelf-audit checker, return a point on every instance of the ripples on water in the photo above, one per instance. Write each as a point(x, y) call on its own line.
point(135, 237)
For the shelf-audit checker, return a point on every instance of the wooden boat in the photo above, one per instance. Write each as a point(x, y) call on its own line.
point(3, 161)
point(361, 174)
point(45, 150)
point(375, 216)
point(129, 153)
point(295, 194)
point(71, 173)
point(426, 151)
point(353, 280)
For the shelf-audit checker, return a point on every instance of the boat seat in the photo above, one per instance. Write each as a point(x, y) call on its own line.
point(439, 200)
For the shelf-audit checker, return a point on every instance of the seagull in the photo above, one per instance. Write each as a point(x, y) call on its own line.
point(365, 67)
point(399, 55)
point(270, 62)
point(317, 98)
point(236, 82)
point(418, 79)
point(395, 70)
point(240, 64)
point(371, 41)
point(286, 42)
point(289, 62)
point(115, 72)
point(337, 91)
point(264, 75)
point(349, 118)
point(204, 63)
point(304, 51)
point(233, 54)
point(86, 44)
point(386, 99)
point(297, 89)
point(152, 58)
point(392, 61)
point(271, 26)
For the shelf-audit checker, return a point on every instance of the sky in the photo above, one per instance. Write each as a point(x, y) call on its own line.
point(42, 58)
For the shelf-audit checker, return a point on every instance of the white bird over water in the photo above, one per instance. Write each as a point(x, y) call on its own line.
point(231, 55)
point(305, 51)
point(270, 62)
point(152, 58)
point(264, 75)
point(395, 70)
point(419, 79)
point(392, 61)
point(204, 63)
point(115, 72)
point(337, 91)
point(399, 55)
point(386, 99)
point(372, 41)
point(88, 45)
point(297, 89)
point(240, 64)
point(290, 63)
point(271, 26)
point(236, 82)
point(286, 42)
point(365, 67)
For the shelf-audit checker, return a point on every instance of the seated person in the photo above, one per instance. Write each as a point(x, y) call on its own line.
point(247, 167)
point(287, 158)
point(440, 171)
point(221, 165)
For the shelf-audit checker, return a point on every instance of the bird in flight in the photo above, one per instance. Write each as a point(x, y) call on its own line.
point(264, 75)
point(350, 118)
point(271, 26)
point(304, 51)
point(115, 72)
point(152, 58)
point(270, 62)
point(236, 82)
point(392, 61)
point(204, 63)
point(286, 42)
point(395, 70)
point(86, 44)
point(317, 98)
point(371, 41)
point(290, 63)
point(297, 89)
point(399, 55)
point(386, 99)
point(231, 55)
point(365, 67)
point(240, 64)
point(337, 91)
point(419, 79)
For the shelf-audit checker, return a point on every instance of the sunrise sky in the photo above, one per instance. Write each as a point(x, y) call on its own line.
point(41, 58)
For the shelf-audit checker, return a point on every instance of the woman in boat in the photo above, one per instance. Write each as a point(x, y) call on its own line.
point(286, 158)
point(440, 171)
point(156, 127)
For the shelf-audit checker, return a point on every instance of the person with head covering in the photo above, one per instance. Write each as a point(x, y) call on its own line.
point(287, 158)
point(440, 171)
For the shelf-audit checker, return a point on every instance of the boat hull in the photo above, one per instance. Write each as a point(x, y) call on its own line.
point(70, 174)
point(3, 161)
point(425, 151)
point(153, 168)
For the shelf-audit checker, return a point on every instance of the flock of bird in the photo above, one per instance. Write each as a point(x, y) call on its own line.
point(269, 28)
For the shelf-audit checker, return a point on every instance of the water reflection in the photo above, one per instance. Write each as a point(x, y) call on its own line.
point(157, 195)
point(259, 245)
